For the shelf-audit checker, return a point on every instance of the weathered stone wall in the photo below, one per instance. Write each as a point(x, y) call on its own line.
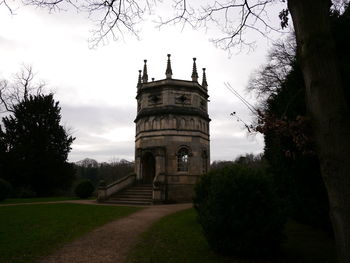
point(172, 122)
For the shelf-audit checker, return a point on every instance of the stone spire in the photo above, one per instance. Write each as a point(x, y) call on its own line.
point(204, 81)
point(145, 75)
point(168, 72)
point(139, 80)
point(194, 71)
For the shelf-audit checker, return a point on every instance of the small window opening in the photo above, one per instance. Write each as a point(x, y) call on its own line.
point(182, 160)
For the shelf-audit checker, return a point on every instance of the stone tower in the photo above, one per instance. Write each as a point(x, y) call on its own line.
point(172, 133)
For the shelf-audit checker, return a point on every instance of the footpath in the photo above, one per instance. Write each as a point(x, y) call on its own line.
point(112, 241)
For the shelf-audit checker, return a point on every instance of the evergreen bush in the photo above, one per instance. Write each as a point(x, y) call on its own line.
point(240, 212)
point(5, 189)
point(84, 189)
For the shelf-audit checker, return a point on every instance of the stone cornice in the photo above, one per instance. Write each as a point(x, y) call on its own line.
point(176, 110)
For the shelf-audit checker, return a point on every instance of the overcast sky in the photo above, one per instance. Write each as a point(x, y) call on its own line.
point(96, 87)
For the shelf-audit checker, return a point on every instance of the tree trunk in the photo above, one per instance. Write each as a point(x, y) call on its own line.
point(327, 106)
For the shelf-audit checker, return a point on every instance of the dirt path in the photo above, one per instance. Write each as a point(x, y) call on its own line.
point(111, 242)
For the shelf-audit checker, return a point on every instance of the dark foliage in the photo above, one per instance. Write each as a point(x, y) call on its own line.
point(37, 147)
point(249, 160)
point(2, 154)
point(291, 153)
point(5, 189)
point(341, 33)
point(91, 170)
point(84, 189)
point(297, 176)
point(220, 165)
point(240, 211)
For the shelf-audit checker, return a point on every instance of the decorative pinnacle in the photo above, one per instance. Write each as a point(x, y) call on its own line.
point(139, 80)
point(145, 75)
point(168, 72)
point(204, 81)
point(194, 71)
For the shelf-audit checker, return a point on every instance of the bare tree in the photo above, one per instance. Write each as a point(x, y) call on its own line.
point(112, 18)
point(23, 85)
point(266, 81)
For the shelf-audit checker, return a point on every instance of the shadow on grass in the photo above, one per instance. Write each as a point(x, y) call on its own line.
point(178, 238)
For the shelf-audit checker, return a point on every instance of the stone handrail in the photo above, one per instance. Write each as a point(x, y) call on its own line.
point(105, 191)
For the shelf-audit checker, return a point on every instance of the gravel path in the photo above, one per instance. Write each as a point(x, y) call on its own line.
point(111, 242)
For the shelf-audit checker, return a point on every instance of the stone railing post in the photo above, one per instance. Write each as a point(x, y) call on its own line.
point(102, 191)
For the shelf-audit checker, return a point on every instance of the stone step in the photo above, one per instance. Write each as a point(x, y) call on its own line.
point(140, 188)
point(131, 199)
point(120, 202)
point(132, 194)
point(137, 190)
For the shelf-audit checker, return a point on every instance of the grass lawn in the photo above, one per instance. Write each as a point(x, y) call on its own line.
point(178, 238)
point(28, 232)
point(41, 199)
point(37, 199)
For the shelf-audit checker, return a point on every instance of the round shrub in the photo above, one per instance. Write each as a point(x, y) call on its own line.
point(5, 189)
point(240, 212)
point(84, 189)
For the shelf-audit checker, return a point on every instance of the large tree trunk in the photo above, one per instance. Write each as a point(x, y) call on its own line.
point(328, 109)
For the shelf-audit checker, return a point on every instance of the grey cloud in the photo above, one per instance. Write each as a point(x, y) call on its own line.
point(87, 121)
point(105, 152)
point(7, 43)
point(228, 148)
point(97, 119)
point(229, 138)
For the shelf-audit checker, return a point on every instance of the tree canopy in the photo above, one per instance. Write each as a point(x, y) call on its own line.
point(36, 147)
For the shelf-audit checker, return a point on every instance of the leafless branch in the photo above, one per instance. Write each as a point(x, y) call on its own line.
point(267, 80)
point(119, 16)
point(53, 5)
point(8, 6)
point(233, 17)
point(183, 14)
point(20, 89)
point(111, 17)
point(114, 18)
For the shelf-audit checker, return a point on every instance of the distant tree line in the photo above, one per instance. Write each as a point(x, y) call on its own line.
point(94, 171)
point(249, 159)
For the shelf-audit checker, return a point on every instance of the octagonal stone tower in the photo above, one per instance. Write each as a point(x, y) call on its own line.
point(172, 134)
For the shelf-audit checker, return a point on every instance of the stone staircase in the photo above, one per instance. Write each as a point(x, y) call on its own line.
point(134, 195)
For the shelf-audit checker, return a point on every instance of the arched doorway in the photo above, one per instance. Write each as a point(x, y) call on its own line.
point(148, 168)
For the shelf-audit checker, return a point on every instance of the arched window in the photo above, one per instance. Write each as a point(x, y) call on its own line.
point(182, 160)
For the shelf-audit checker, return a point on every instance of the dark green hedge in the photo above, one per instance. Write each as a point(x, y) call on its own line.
point(84, 189)
point(240, 211)
point(5, 189)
